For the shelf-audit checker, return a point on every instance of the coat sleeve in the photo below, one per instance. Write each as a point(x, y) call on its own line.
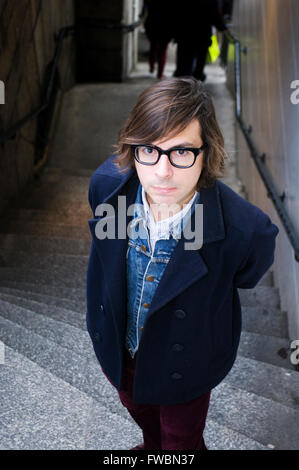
point(260, 255)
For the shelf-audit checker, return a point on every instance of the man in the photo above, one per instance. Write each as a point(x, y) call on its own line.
point(165, 319)
point(192, 21)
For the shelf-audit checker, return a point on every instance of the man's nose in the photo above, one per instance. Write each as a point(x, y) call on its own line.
point(164, 168)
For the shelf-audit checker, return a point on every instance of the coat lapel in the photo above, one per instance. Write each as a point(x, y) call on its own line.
point(112, 252)
point(187, 266)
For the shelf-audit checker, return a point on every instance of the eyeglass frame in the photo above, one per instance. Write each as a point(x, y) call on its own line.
point(195, 151)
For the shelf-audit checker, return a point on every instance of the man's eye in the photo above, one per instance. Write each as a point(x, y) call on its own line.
point(181, 152)
point(147, 150)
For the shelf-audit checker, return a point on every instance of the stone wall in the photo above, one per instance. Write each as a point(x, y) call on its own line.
point(27, 29)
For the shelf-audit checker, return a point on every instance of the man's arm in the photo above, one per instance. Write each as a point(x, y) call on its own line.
point(260, 255)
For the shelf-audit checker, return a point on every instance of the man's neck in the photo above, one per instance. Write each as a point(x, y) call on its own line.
point(164, 211)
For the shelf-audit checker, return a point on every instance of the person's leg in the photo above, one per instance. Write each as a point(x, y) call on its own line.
point(146, 416)
point(152, 55)
point(182, 425)
point(161, 57)
point(200, 62)
point(185, 58)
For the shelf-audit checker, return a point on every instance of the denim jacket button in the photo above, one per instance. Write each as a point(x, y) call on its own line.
point(150, 278)
point(180, 313)
point(146, 305)
point(143, 247)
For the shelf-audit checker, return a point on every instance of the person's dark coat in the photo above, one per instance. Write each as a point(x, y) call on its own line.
point(193, 21)
point(196, 304)
point(158, 25)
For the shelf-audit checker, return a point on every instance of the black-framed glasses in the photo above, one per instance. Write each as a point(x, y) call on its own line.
point(180, 157)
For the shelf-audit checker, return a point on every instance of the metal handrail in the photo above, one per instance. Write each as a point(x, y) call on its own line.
point(258, 158)
point(59, 37)
point(12, 131)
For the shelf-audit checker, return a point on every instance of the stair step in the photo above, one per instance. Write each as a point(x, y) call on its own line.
point(46, 230)
point(66, 217)
point(259, 418)
point(55, 184)
point(264, 320)
point(260, 296)
point(34, 244)
point(261, 378)
point(253, 319)
point(230, 406)
point(54, 415)
point(64, 334)
point(19, 259)
point(266, 380)
point(61, 315)
point(52, 277)
point(219, 437)
point(80, 371)
point(16, 295)
point(39, 411)
point(51, 196)
point(265, 349)
point(44, 201)
point(54, 291)
point(49, 170)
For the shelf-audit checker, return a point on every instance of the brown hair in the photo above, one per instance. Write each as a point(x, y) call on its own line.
point(167, 108)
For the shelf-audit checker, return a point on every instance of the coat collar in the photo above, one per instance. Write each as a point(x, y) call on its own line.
point(213, 225)
point(192, 267)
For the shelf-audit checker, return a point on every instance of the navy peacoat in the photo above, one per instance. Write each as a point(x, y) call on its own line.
point(196, 304)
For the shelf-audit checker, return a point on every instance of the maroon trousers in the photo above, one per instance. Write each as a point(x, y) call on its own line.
point(166, 427)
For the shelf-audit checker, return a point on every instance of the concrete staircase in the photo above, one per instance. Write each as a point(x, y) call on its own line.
point(53, 393)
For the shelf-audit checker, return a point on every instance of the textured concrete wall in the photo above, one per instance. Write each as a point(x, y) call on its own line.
point(27, 44)
point(270, 30)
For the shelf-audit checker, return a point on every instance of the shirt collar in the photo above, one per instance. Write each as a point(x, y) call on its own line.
point(171, 226)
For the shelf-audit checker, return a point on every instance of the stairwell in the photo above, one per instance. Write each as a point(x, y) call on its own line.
point(53, 392)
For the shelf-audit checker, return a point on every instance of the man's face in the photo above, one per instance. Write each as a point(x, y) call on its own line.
point(166, 184)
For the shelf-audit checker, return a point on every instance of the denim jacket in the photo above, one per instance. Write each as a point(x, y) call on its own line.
point(145, 267)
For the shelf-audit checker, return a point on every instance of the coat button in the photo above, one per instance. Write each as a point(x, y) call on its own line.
point(180, 313)
point(97, 337)
point(146, 305)
point(101, 307)
point(176, 376)
point(178, 347)
point(143, 247)
point(150, 278)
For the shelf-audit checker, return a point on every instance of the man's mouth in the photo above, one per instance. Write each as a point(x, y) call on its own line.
point(162, 189)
